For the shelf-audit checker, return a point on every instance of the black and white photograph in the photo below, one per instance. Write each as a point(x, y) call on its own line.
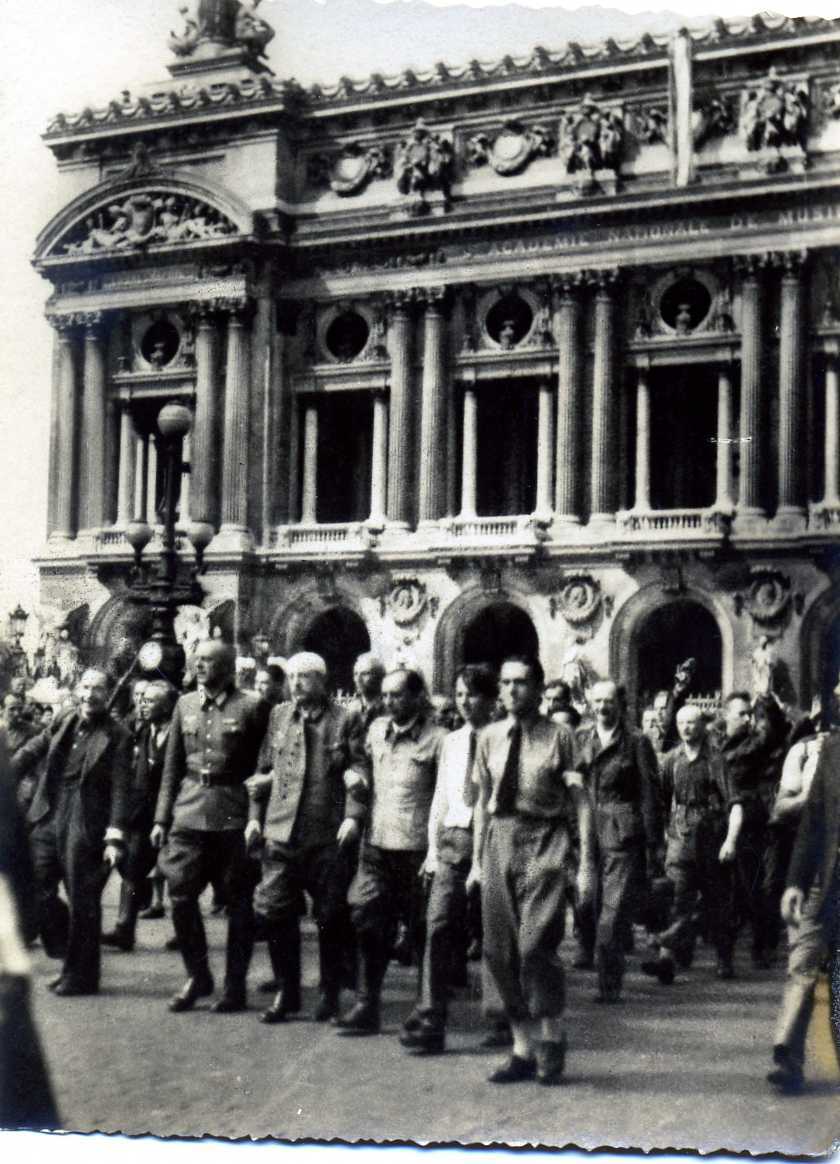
point(420, 574)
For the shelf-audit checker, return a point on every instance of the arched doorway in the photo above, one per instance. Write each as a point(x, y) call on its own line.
point(339, 635)
point(671, 634)
point(499, 630)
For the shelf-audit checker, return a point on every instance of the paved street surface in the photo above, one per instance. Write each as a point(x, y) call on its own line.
point(673, 1067)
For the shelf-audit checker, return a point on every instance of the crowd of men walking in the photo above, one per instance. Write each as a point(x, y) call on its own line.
point(431, 830)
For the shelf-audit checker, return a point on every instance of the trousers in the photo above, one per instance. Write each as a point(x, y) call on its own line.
point(385, 889)
point(525, 874)
point(446, 920)
point(189, 862)
point(63, 853)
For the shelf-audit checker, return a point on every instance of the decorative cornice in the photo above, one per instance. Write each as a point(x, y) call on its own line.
point(263, 91)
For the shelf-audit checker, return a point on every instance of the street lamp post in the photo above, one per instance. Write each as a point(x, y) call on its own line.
point(17, 628)
point(165, 591)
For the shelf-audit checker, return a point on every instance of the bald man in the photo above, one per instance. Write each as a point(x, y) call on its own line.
point(619, 770)
point(202, 809)
point(298, 815)
point(79, 818)
point(695, 798)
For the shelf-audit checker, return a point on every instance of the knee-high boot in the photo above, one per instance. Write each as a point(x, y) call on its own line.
point(192, 940)
point(284, 951)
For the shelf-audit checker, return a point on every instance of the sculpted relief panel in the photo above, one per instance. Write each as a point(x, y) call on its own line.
point(145, 219)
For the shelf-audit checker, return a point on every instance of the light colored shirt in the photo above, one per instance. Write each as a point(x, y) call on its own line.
point(800, 766)
point(546, 766)
point(403, 763)
point(450, 809)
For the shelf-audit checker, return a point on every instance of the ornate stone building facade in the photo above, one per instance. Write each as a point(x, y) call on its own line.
point(538, 353)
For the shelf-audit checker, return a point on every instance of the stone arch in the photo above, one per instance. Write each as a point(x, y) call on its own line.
point(630, 622)
point(455, 621)
point(291, 626)
point(117, 190)
point(116, 633)
point(820, 647)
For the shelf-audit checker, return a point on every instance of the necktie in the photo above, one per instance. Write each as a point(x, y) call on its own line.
point(469, 786)
point(509, 783)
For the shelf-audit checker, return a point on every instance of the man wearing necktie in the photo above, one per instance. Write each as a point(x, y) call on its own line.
point(202, 809)
point(156, 706)
point(449, 857)
point(530, 796)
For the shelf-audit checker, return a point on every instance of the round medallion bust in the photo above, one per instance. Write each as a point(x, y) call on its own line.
point(159, 344)
point(509, 320)
point(347, 336)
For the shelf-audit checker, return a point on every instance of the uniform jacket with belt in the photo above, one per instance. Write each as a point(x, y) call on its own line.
point(333, 750)
point(816, 851)
point(105, 779)
point(622, 781)
point(212, 749)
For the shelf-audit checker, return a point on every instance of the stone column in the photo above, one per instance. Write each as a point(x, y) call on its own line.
point(641, 500)
point(204, 467)
point(400, 427)
point(469, 454)
point(432, 500)
point(185, 499)
point(749, 499)
point(93, 424)
point(309, 504)
point(791, 507)
point(545, 450)
point(723, 499)
point(379, 459)
point(67, 438)
point(831, 447)
point(127, 466)
point(567, 469)
point(602, 487)
point(236, 456)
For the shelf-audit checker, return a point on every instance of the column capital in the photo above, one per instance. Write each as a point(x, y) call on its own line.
point(400, 302)
point(604, 281)
point(64, 325)
point(435, 300)
point(751, 266)
point(93, 322)
point(238, 308)
point(790, 263)
point(568, 284)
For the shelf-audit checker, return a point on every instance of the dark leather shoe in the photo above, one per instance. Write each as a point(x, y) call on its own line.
point(661, 968)
point(428, 1039)
point(787, 1076)
point(327, 1008)
point(280, 1009)
point(414, 1022)
point(190, 992)
point(172, 943)
point(229, 1003)
point(270, 986)
point(551, 1063)
point(514, 1070)
point(499, 1035)
point(119, 939)
point(55, 982)
point(152, 913)
point(67, 988)
point(361, 1019)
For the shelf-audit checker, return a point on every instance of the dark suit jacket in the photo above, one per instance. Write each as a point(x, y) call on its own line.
point(815, 851)
point(623, 773)
point(146, 774)
point(105, 778)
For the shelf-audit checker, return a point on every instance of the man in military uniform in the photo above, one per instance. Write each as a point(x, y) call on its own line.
point(530, 797)
point(393, 795)
point(156, 706)
point(298, 813)
point(696, 801)
point(214, 741)
point(619, 769)
point(79, 820)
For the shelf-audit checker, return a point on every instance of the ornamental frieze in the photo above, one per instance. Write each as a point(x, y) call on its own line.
point(146, 219)
point(514, 147)
point(768, 597)
point(592, 140)
point(578, 600)
point(351, 171)
point(423, 165)
point(774, 116)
